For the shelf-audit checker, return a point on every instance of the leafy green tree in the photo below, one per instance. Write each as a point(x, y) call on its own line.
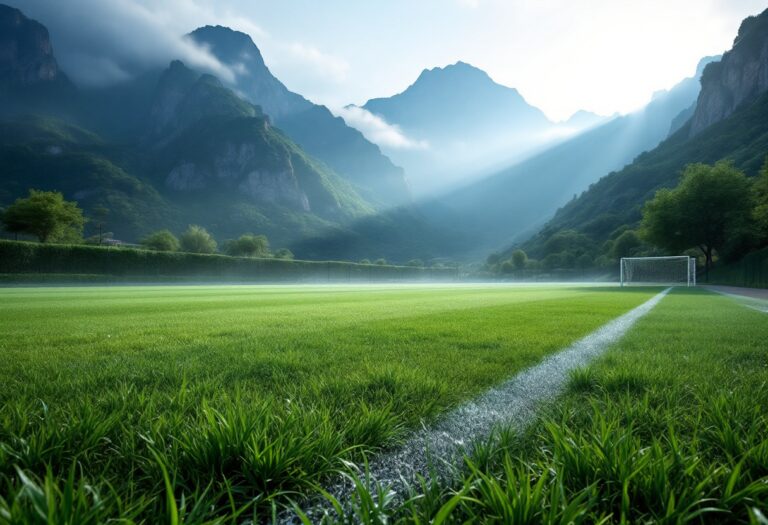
point(380, 262)
point(507, 267)
point(552, 261)
point(248, 245)
point(493, 259)
point(284, 253)
point(711, 209)
point(46, 215)
point(418, 263)
point(197, 240)
point(365, 261)
point(162, 241)
point(584, 262)
point(519, 258)
point(761, 201)
point(626, 244)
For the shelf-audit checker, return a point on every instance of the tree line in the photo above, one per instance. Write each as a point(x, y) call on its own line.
point(716, 212)
point(48, 217)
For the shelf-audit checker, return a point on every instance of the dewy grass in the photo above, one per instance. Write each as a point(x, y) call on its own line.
point(437, 449)
point(192, 404)
point(669, 427)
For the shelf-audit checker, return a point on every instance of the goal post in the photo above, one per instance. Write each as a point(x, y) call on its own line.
point(669, 271)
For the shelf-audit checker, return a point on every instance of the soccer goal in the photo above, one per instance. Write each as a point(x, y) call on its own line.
point(670, 271)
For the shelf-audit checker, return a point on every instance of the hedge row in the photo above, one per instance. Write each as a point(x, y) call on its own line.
point(17, 257)
point(751, 271)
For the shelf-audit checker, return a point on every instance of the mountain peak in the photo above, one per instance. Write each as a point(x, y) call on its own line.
point(229, 45)
point(458, 70)
point(26, 53)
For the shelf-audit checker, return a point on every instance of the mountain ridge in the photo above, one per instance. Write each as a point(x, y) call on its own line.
point(312, 126)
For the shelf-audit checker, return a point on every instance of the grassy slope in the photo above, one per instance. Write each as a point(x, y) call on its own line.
point(617, 199)
point(251, 390)
point(668, 427)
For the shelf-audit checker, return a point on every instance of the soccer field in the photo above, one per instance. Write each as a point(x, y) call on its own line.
point(227, 402)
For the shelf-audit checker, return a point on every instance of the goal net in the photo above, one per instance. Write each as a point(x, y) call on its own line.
point(674, 271)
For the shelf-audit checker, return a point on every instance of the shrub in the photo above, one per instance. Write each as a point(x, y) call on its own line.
point(161, 241)
point(248, 245)
point(284, 253)
point(197, 240)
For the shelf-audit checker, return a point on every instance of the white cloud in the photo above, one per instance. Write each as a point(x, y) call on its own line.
point(322, 63)
point(378, 130)
point(100, 42)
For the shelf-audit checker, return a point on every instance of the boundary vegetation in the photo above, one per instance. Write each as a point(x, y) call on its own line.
point(19, 257)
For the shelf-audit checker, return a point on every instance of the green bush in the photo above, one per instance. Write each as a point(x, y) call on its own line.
point(248, 245)
point(162, 241)
point(197, 240)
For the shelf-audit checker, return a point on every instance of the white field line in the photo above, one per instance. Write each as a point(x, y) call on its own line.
point(438, 449)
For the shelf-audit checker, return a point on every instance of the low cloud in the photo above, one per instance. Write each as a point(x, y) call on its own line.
point(378, 130)
point(98, 42)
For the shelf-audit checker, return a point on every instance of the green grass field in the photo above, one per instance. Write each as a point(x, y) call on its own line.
point(223, 404)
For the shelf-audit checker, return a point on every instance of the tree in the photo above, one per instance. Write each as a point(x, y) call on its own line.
point(197, 240)
point(761, 201)
point(248, 245)
point(493, 259)
point(519, 258)
point(584, 262)
point(365, 261)
point(284, 253)
point(711, 209)
point(162, 241)
point(418, 263)
point(46, 215)
point(507, 267)
point(626, 244)
point(380, 262)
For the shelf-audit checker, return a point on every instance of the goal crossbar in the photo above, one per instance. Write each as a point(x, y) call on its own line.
point(676, 270)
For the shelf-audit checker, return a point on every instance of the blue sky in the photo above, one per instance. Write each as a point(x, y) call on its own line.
point(599, 55)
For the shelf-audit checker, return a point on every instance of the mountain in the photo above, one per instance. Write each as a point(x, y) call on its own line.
point(463, 122)
point(183, 97)
point(313, 126)
point(458, 100)
point(585, 119)
point(193, 151)
point(735, 132)
point(738, 78)
point(509, 205)
point(29, 73)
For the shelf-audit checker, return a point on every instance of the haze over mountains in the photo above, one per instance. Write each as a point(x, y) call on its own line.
point(476, 168)
point(729, 122)
point(460, 125)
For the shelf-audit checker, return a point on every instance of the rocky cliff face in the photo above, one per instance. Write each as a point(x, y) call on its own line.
point(740, 77)
point(183, 97)
point(312, 126)
point(26, 54)
point(239, 167)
